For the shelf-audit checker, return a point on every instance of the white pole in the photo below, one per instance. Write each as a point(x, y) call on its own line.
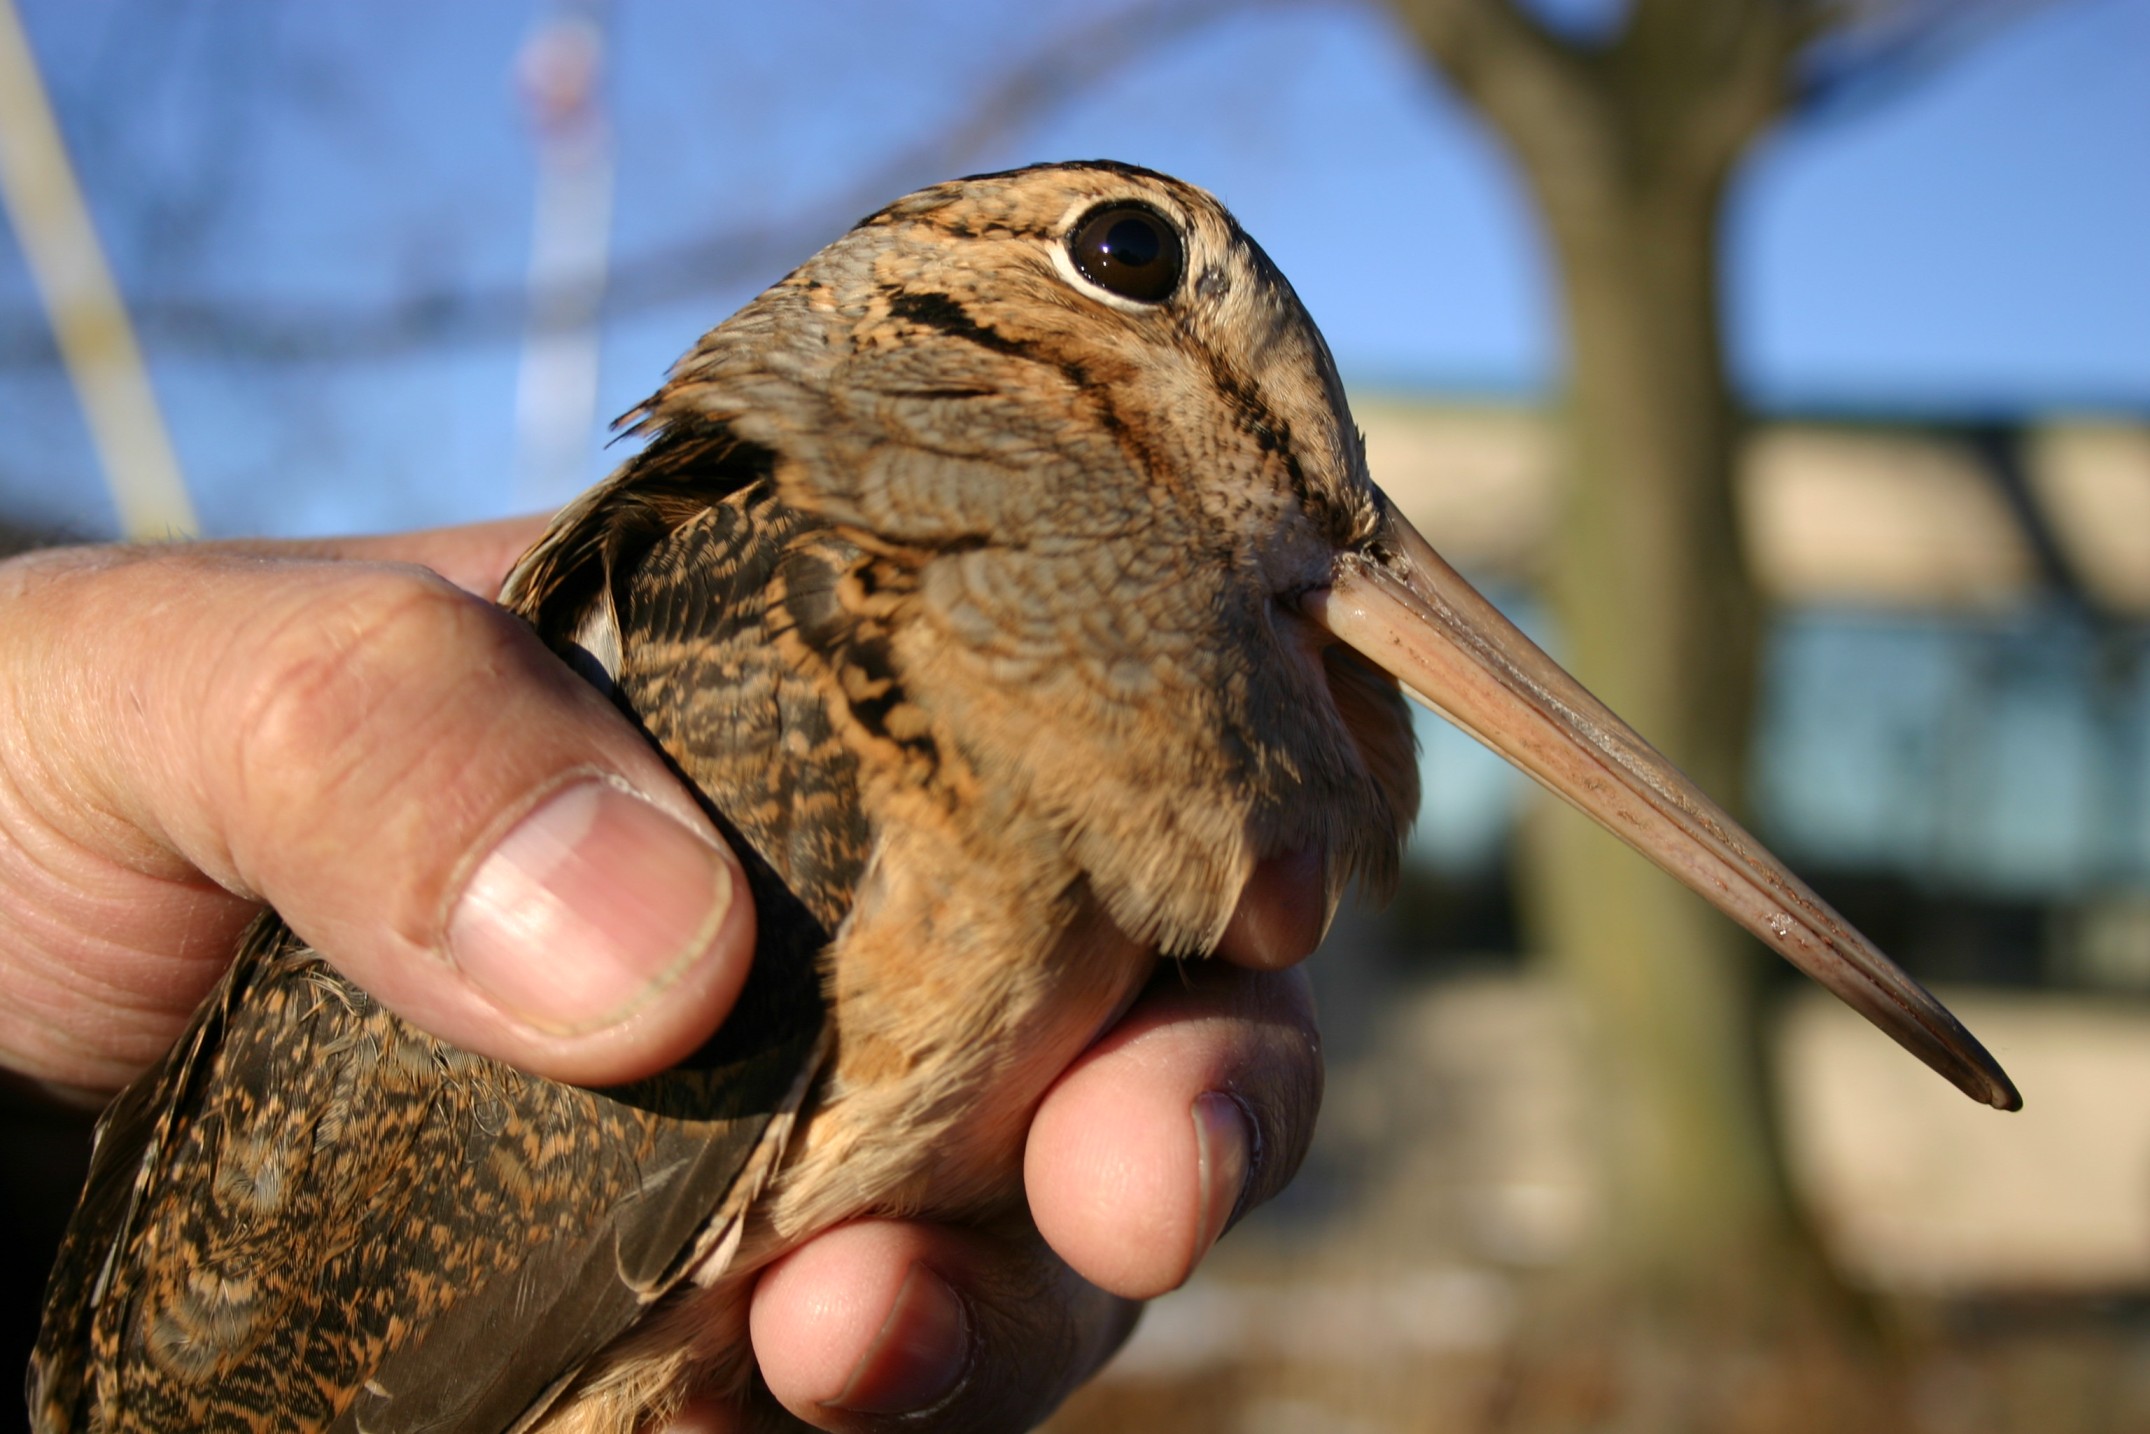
point(561, 72)
point(83, 305)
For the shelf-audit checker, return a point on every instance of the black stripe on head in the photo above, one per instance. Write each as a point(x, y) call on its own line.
point(943, 313)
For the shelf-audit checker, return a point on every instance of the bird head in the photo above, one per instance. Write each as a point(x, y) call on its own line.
point(1130, 562)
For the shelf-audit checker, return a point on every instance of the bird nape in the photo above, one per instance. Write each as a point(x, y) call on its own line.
point(1009, 582)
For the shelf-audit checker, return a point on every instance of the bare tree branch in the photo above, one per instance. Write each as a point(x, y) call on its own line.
point(1523, 77)
point(1475, 39)
point(1697, 80)
point(457, 316)
point(1673, 100)
point(1544, 96)
point(1859, 53)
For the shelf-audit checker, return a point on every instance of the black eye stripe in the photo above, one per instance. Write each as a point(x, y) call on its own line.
point(1130, 250)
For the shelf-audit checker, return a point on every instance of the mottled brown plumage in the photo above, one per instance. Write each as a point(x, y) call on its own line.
point(986, 593)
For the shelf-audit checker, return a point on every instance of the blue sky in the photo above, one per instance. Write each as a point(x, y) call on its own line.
point(1969, 242)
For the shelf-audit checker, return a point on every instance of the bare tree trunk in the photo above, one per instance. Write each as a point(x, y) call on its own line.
point(1627, 149)
point(1659, 617)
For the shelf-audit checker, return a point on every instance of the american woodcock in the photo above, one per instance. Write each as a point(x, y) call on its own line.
point(1009, 581)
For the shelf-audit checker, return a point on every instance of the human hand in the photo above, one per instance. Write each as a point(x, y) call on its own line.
point(398, 767)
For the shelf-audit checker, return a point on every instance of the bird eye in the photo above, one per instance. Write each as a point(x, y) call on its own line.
point(1128, 250)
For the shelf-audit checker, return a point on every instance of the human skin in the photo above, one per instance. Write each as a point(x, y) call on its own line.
point(344, 730)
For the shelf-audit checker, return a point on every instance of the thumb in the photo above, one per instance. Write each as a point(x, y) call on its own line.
point(429, 798)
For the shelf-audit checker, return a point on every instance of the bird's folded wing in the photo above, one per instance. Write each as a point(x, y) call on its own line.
point(433, 1239)
point(132, 1136)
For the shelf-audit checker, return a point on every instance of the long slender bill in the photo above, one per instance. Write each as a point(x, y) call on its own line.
point(1411, 614)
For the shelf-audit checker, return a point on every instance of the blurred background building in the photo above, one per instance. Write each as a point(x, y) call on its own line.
point(394, 267)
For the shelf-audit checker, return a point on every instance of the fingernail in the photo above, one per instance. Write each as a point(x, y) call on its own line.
point(1224, 1156)
point(921, 1356)
point(593, 904)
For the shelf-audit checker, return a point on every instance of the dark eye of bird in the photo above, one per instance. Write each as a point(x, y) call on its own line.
point(1130, 251)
